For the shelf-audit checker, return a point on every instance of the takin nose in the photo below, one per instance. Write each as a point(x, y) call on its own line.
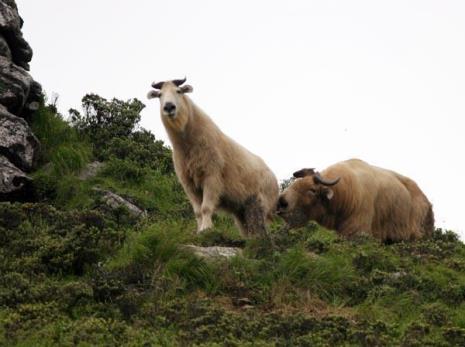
point(169, 108)
point(282, 205)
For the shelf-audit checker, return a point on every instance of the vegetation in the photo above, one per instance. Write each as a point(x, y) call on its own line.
point(77, 273)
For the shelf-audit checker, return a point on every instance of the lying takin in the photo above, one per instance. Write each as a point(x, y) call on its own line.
point(214, 170)
point(353, 196)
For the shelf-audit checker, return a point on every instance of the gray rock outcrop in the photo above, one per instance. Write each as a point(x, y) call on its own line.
point(10, 28)
point(15, 84)
point(20, 96)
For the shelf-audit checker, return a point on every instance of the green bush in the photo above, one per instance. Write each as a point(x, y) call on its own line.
point(142, 149)
point(124, 170)
point(46, 240)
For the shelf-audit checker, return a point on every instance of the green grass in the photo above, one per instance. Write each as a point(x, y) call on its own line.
point(76, 273)
point(158, 193)
point(152, 289)
point(61, 145)
point(156, 252)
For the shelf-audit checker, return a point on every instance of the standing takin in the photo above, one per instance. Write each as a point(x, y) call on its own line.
point(353, 196)
point(214, 170)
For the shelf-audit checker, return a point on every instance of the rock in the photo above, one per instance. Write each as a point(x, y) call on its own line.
point(4, 48)
point(214, 251)
point(21, 52)
point(90, 170)
point(17, 142)
point(14, 184)
point(20, 97)
point(10, 28)
point(242, 302)
point(397, 275)
point(33, 101)
point(15, 84)
point(114, 201)
point(9, 16)
point(33, 106)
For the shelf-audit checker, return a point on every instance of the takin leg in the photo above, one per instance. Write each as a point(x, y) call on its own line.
point(196, 206)
point(254, 217)
point(210, 200)
point(196, 203)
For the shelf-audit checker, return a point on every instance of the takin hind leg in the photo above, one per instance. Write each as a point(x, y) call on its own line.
point(253, 221)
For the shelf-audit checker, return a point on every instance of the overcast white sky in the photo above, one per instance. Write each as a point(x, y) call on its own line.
point(301, 83)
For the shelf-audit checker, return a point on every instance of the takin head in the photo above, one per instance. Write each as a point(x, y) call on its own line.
point(307, 198)
point(173, 103)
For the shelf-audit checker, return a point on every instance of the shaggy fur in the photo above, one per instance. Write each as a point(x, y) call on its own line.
point(367, 198)
point(214, 170)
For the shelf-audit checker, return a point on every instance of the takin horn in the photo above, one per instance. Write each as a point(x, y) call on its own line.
point(177, 83)
point(303, 173)
point(158, 85)
point(318, 179)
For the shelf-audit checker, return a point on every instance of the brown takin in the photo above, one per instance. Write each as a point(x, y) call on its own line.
point(353, 196)
point(214, 170)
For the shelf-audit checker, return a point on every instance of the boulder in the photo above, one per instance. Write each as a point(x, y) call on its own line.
point(214, 251)
point(14, 183)
point(17, 142)
point(114, 201)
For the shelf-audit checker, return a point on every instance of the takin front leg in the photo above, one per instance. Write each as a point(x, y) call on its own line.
point(210, 200)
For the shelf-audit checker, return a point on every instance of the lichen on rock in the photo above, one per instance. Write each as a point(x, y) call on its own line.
point(17, 142)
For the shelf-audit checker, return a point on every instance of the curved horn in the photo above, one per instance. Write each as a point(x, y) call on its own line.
point(158, 85)
point(318, 179)
point(303, 173)
point(177, 83)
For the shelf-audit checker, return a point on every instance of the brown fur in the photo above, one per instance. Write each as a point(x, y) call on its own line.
point(214, 170)
point(380, 202)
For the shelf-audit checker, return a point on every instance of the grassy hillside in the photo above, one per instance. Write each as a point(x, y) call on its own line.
point(74, 272)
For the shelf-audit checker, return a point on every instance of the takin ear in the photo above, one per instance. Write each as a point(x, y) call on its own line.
point(326, 193)
point(186, 89)
point(304, 173)
point(153, 94)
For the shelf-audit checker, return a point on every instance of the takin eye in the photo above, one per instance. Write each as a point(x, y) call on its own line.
point(312, 191)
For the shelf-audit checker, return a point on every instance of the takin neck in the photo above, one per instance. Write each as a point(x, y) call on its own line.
point(199, 130)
